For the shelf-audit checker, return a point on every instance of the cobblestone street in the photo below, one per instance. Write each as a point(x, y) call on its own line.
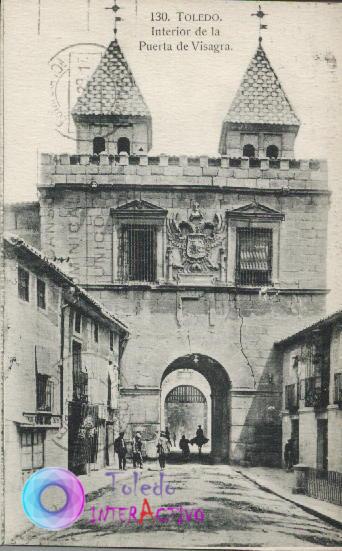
point(237, 513)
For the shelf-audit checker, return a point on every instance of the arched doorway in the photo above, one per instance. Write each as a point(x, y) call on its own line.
point(219, 385)
point(185, 404)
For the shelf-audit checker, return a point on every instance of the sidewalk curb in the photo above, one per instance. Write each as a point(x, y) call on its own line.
point(334, 522)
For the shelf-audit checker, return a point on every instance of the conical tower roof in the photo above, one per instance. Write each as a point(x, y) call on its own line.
point(260, 98)
point(112, 89)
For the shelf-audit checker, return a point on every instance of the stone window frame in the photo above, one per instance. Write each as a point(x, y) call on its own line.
point(145, 214)
point(239, 219)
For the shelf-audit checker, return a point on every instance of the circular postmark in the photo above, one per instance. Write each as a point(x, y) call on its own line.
point(70, 69)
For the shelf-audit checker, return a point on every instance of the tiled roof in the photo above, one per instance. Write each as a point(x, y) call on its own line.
point(19, 244)
point(112, 89)
point(336, 317)
point(260, 98)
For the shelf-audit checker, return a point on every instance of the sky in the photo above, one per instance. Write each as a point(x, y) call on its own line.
point(188, 92)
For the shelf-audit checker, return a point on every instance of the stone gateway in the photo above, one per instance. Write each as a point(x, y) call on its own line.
point(208, 261)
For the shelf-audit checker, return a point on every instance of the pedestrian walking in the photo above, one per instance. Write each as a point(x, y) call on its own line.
point(162, 449)
point(137, 451)
point(121, 449)
point(288, 455)
point(174, 439)
point(184, 446)
point(167, 435)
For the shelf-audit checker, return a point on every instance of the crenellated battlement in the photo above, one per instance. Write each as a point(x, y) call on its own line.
point(106, 169)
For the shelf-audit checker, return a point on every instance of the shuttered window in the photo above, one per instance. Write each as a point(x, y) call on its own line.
point(41, 292)
point(44, 392)
point(254, 256)
point(23, 284)
point(32, 451)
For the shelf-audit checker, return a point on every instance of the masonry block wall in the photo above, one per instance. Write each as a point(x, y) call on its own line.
point(211, 316)
point(23, 219)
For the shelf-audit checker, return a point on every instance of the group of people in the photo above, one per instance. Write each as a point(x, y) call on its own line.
point(199, 440)
point(120, 447)
point(163, 447)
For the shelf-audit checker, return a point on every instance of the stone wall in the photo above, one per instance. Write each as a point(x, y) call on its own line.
point(23, 219)
point(241, 340)
point(77, 223)
point(181, 171)
point(173, 317)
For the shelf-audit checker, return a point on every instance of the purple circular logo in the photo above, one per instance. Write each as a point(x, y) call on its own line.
point(53, 477)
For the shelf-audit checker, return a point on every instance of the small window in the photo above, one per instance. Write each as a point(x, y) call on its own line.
point(96, 331)
point(41, 294)
point(78, 318)
point(79, 377)
point(109, 391)
point(272, 152)
point(138, 252)
point(254, 256)
point(23, 284)
point(111, 340)
point(248, 150)
point(32, 451)
point(44, 392)
point(124, 145)
point(99, 145)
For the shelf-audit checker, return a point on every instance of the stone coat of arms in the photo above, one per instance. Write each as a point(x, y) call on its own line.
point(195, 238)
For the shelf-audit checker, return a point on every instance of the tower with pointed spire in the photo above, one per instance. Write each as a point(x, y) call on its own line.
point(261, 122)
point(209, 260)
point(111, 115)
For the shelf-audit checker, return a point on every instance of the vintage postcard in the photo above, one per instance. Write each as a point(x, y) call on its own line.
point(172, 362)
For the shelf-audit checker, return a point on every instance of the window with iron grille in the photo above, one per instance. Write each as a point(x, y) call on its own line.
point(185, 394)
point(138, 252)
point(41, 294)
point(23, 284)
point(316, 392)
point(32, 451)
point(44, 392)
point(254, 256)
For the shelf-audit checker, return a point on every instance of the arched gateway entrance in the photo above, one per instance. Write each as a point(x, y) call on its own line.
point(219, 384)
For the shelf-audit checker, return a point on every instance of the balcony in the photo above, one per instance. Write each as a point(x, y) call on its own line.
point(80, 387)
point(338, 389)
point(316, 392)
point(291, 398)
